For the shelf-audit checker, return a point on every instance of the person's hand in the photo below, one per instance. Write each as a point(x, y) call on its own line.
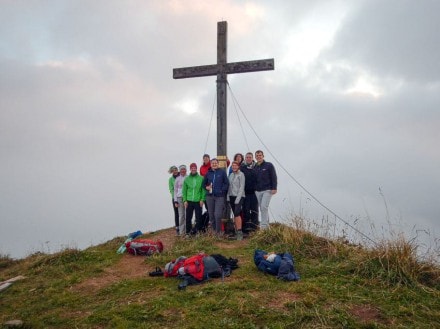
point(274, 192)
point(185, 204)
point(201, 203)
point(176, 204)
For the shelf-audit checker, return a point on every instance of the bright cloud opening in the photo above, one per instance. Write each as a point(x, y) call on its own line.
point(364, 86)
point(188, 106)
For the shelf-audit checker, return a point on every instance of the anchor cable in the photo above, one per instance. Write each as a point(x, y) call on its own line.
point(293, 178)
point(210, 124)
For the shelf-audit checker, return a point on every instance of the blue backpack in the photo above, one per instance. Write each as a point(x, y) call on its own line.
point(282, 265)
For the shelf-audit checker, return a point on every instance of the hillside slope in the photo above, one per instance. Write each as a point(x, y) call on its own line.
point(97, 288)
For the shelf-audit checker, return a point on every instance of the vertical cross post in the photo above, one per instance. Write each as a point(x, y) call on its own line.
point(221, 70)
point(222, 34)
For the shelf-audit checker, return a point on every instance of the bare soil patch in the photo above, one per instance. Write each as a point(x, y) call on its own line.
point(128, 267)
point(367, 313)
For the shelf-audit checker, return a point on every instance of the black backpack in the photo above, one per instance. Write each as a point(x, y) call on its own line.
point(227, 264)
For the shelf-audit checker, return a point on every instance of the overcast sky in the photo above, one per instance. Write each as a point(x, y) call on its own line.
point(91, 118)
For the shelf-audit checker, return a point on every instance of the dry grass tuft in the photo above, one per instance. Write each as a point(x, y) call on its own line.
point(393, 262)
point(396, 262)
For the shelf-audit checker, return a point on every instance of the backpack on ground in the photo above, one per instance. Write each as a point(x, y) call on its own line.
point(201, 267)
point(212, 268)
point(194, 266)
point(265, 265)
point(287, 271)
point(227, 264)
point(144, 247)
point(229, 226)
point(281, 265)
point(198, 269)
point(193, 270)
point(172, 268)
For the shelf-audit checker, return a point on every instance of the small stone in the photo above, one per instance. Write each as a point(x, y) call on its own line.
point(13, 323)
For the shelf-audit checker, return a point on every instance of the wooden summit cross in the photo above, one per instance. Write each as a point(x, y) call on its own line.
point(221, 70)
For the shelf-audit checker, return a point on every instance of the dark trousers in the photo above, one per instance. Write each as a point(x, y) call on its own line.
point(176, 214)
point(193, 207)
point(250, 213)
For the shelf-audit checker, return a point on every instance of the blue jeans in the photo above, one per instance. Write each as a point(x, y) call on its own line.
point(263, 198)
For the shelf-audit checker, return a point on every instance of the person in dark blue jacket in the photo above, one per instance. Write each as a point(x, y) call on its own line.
point(266, 186)
point(216, 183)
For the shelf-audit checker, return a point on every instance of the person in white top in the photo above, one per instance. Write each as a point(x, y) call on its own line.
point(178, 200)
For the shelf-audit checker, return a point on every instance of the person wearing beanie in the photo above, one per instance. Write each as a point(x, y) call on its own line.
point(193, 196)
point(174, 174)
point(178, 201)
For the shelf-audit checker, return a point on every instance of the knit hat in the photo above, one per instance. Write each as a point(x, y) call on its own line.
point(182, 167)
point(171, 169)
point(192, 165)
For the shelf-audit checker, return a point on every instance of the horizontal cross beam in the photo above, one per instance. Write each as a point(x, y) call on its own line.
point(228, 68)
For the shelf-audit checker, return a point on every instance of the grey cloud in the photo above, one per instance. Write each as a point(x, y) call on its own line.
point(397, 39)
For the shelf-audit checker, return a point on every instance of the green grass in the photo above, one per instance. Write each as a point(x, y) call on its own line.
point(342, 286)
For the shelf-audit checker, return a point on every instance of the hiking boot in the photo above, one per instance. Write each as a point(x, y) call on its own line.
point(239, 235)
point(177, 231)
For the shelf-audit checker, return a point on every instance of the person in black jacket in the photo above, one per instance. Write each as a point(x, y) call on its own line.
point(250, 205)
point(266, 186)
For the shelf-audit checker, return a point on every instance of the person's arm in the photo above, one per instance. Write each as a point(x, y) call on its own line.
point(202, 193)
point(171, 186)
point(225, 183)
point(176, 189)
point(204, 182)
point(273, 178)
point(184, 190)
point(240, 194)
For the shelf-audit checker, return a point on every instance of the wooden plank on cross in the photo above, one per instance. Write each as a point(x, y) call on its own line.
point(221, 70)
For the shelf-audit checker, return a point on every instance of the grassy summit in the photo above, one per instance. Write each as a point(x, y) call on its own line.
point(342, 286)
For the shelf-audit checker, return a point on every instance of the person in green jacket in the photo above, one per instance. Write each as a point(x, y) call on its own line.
point(193, 195)
point(174, 173)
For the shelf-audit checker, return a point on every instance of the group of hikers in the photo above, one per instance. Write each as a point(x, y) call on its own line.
point(245, 190)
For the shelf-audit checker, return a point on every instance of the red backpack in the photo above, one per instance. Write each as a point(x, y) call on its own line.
point(144, 247)
point(195, 266)
point(201, 267)
point(172, 268)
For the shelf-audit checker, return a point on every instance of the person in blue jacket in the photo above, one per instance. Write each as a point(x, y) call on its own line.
point(216, 184)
